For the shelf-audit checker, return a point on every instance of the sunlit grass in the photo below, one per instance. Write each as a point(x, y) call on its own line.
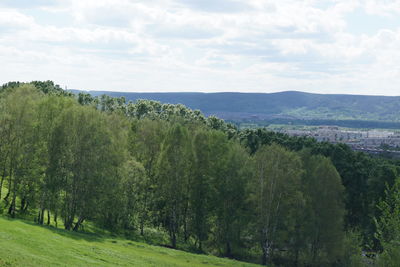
point(23, 243)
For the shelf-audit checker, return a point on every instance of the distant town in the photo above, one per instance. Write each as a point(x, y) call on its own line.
point(363, 140)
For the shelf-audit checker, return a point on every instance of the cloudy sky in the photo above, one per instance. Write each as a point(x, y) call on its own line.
point(321, 46)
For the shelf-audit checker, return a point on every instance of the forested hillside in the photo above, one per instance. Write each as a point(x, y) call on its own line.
point(284, 105)
point(250, 195)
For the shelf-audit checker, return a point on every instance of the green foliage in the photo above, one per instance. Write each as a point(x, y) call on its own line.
point(352, 252)
point(46, 87)
point(145, 140)
point(324, 211)
point(134, 184)
point(363, 177)
point(390, 256)
point(388, 226)
point(173, 179)
point(200, 193)
point(85, 154)
point(143, 168)
point(276, 191)
point(19, 146)
point(229, 200)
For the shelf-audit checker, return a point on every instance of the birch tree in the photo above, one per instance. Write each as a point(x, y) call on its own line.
point(173, 175)
point(276, 194)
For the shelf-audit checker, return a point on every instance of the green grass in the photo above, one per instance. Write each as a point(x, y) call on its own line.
point(23, 243)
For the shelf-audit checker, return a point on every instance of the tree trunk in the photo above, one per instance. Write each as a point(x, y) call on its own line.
point(1, 185)
point(3, 177)
point(48, 217)
point(55, 219)
point(296, 258)
point(174, 227)
point(141, 228)
point(23, 201)
point(41, 217)
point(173, 241)
point(266, 248)
point(9, 184)
point(185, 231)
point(314, 247)
point(228, 252)
point(68, 222)
point(78, 224)
point(7, 195)
point(11, 210)
point(37, 219)
point(264, 258)
point(26, 206)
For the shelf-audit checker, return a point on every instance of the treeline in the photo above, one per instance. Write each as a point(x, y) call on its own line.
point(252, 195)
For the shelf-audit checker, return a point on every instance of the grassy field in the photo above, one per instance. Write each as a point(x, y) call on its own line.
point(25, 244)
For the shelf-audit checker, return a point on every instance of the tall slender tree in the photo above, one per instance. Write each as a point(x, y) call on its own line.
point(276, 188)
point(173, 174)
point(323, 227)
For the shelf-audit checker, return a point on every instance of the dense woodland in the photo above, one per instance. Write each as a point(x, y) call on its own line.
point(251, 195)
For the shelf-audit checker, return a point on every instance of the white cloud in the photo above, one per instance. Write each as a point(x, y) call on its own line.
point(224, 45)
point(25, 4)
point(382, 7)
point(11, 20)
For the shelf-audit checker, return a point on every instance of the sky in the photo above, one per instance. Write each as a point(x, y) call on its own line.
point(318, 46)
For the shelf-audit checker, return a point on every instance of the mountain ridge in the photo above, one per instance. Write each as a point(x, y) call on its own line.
point(288, 104)
point(97, 92)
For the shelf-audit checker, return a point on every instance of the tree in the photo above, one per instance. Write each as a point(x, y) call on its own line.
point(134, 188)
point(49, 109)
point(276, 194)
point(388, 226)
point(172, 179)
point(146, 138)
point(200, 186)
point(230, 190)
point(323, 225)
point(123, 201)
point(85, 154)
point(19, 158)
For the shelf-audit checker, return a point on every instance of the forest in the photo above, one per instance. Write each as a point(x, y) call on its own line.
point(251, 195)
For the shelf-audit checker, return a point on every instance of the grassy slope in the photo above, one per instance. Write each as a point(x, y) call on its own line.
point(25, 244)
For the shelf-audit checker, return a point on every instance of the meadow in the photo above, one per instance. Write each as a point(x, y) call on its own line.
point(24, 243)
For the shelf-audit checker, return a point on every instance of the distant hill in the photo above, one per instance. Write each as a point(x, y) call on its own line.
point(290, 105)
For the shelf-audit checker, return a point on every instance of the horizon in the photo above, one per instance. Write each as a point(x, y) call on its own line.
point(223, 92)
point(326, 47)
